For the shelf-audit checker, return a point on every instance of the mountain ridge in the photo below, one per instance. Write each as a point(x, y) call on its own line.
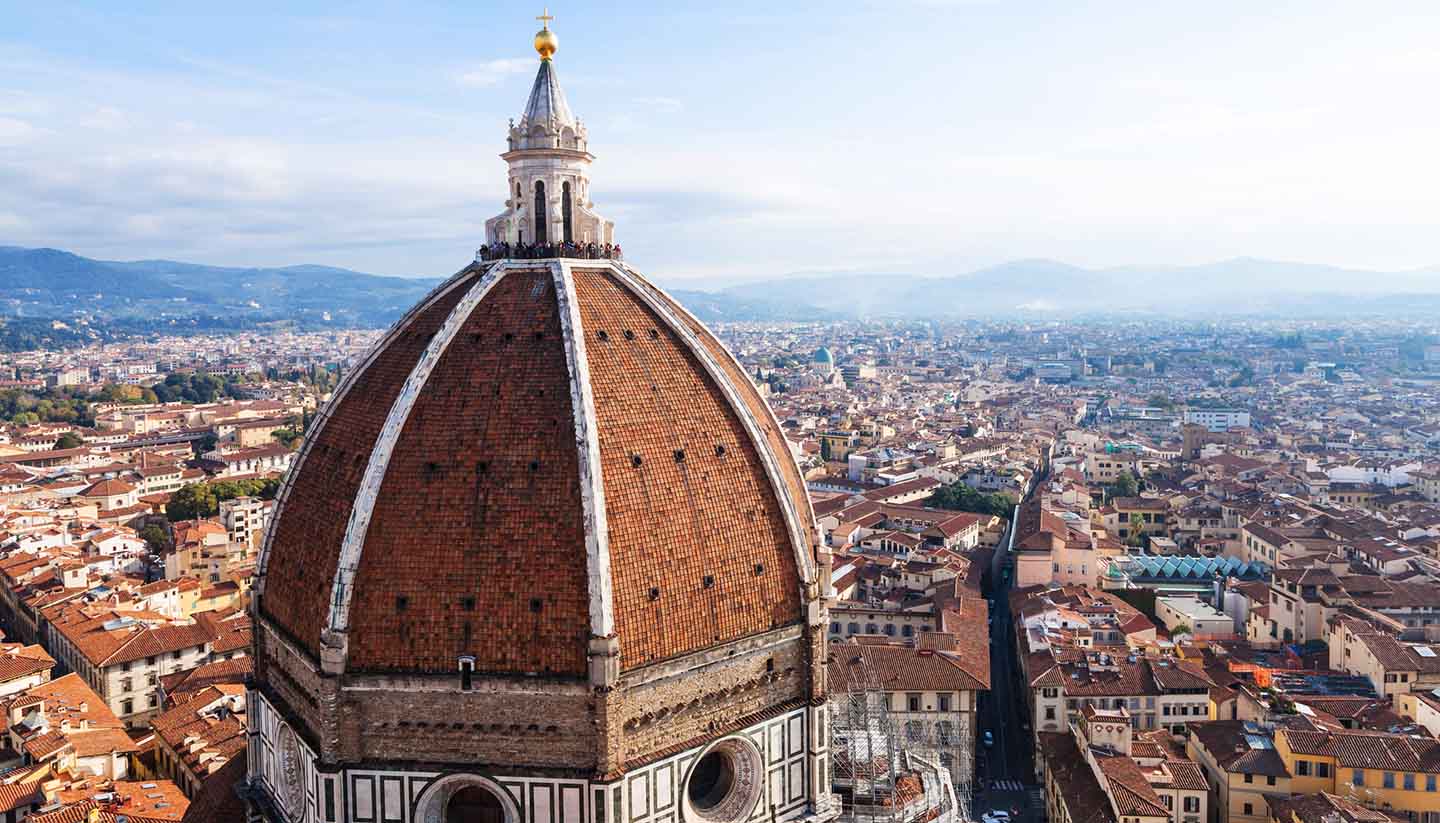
point(54, 283)
point(48, 282)
point(1050, 286)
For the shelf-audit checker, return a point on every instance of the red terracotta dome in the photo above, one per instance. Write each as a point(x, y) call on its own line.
point(539, 454)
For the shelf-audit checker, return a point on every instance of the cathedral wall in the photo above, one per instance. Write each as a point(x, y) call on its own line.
point(292, 681)
point(791, 781)
point(532, 722)
point(671, 704)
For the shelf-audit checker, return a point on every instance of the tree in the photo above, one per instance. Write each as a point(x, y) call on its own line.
point(193, 501)
point(203, 499)
point(1124, 486)
point(288, 437)
point(69, 440)
point(1181, 628)
point(960, 497)
point(124, 393)
point(156, 537)
point(1137, 526)
point(205, 444)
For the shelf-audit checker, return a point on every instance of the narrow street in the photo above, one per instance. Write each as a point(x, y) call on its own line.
point(1007, 765)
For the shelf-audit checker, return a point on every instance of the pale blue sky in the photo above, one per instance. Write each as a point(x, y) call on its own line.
point(736, 140)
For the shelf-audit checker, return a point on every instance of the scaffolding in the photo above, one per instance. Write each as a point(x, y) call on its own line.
point(885, 773)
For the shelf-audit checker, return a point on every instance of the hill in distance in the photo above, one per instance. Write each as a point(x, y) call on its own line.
point(49, 283)
point(1048, 287)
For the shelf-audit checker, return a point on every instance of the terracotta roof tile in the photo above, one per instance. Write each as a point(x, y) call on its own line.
point(674, 517)
point(457, 528)
point(307, 544)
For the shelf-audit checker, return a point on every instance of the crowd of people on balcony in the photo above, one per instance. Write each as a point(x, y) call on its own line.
point(536, 251)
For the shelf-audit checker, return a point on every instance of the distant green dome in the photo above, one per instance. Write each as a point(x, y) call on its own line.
point(823, 355)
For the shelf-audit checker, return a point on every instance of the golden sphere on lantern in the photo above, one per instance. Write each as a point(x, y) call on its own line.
point(546, 43)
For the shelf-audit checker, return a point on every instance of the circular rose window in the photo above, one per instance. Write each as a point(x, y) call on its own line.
point(724, 783)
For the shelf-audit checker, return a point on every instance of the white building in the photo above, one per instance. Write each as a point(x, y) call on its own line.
point(1218, 420)
point(245, 519)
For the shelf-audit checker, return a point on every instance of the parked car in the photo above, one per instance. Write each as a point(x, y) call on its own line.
point(997, 816)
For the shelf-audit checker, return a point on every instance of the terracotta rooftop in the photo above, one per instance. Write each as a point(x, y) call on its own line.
point(107, 488)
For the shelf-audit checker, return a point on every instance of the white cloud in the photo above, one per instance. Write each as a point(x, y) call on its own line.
point(14, 131)
point(1139, 149)
point(105, 118)
point(492, 72)
point(660, 104)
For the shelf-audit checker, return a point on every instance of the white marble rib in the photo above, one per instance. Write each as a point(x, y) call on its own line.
point(587, 442)
point(359, 523)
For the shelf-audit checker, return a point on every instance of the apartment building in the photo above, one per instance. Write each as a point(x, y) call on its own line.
point(1398, 773)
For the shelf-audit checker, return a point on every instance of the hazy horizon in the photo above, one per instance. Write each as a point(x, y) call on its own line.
point(916, 138)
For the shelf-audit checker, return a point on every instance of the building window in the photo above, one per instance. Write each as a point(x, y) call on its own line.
point(912, 702)
point(1270, 780)
point(540, 218)
point(1249, 809)
point(1409, 782)
point(1049, 712)
point(1357, 777)
point(1249, 778)
point(1429, 782)
point(1389, 780)
point(1302, 768)
point(943, 703)
point(1192, 804)
point(834, 628)
point(565, 212)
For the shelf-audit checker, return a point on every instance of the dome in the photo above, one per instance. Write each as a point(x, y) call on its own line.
point(823, 355)
point(537, 455)
point(545, 555)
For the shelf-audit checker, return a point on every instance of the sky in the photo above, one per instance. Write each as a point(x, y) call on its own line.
point(734, 140)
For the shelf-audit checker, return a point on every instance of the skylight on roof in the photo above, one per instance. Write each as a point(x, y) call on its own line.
point(1257, 741)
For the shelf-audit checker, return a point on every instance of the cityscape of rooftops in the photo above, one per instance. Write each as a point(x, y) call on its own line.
point(934, 412)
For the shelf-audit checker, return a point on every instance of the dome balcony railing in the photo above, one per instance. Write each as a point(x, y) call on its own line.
point(548, 251)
